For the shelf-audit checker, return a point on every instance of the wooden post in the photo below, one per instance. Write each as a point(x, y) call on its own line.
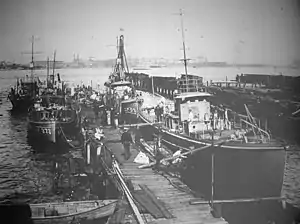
point(152, 85)
point(99, 150)
point(212, 179)
point(234, 120)
point(108, 117)
point(88, 153)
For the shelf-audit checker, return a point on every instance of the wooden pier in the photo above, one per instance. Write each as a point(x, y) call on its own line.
point(151, 196)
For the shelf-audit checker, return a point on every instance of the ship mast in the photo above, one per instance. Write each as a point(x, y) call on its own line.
point(183, 42)
point(31, 65)
point(47, 72)
point(53, 78)
point(184, 50)
point(121, 63)
point(54, 62)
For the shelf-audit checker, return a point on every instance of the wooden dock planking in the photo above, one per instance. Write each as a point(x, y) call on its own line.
point(174, 201)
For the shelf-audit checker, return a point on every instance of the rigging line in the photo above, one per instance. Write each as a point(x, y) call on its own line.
point(66, 139)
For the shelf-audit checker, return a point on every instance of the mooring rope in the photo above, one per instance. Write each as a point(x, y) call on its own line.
point(67, 140)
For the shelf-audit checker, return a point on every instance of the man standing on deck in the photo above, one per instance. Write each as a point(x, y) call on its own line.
point(96, 109)
point(191, 116)
point(126, 139)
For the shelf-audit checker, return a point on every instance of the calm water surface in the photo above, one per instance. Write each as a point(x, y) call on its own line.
point(28, 174)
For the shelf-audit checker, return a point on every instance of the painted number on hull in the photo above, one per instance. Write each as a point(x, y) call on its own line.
point(45, 130)
point(130, 110)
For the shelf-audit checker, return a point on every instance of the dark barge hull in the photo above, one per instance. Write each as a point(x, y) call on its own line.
point(20, 105)
point(240, 170)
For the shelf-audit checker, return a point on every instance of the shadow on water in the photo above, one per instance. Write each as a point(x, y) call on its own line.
point(39, 146)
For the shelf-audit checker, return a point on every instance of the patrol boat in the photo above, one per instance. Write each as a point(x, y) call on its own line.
point(241, 158)
point(53, 117)
point(120, 93)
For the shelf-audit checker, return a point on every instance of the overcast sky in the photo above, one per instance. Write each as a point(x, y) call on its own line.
point(242, 31)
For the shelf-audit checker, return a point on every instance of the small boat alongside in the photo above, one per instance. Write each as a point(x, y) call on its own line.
point(69, 212)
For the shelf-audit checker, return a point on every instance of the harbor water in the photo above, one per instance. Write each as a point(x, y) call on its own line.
point(27, 173)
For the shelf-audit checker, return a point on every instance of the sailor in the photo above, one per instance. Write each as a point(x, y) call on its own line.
point(215, 119)
point(160, 111)
point(96, 109)
point(206, 119)
point(138, 135)
point(126, 140)
point(157, 154)
point(156, 110)
point(227, 122)
point(191, 115)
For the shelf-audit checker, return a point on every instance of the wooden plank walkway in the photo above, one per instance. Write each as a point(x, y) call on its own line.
point(174, 200)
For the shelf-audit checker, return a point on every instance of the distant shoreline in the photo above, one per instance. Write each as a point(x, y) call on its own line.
point(194, 65)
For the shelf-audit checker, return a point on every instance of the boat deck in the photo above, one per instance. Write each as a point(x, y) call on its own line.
point(151, 100)
point(166, 200)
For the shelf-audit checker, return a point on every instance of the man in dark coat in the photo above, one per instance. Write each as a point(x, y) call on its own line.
point(96, 109)
point(126, 140)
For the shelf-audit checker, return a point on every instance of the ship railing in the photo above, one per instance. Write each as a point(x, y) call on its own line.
point(148, 117)
point(111, 166)
point(240, 121)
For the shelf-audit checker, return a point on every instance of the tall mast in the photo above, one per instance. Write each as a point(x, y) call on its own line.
point(32, 63)
point(121, 65)
point(47, 71)
point(184, 51)
point(183, 42)
point(117, 45)
point(32, 43)
point(53, 76)
point(54, 62)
